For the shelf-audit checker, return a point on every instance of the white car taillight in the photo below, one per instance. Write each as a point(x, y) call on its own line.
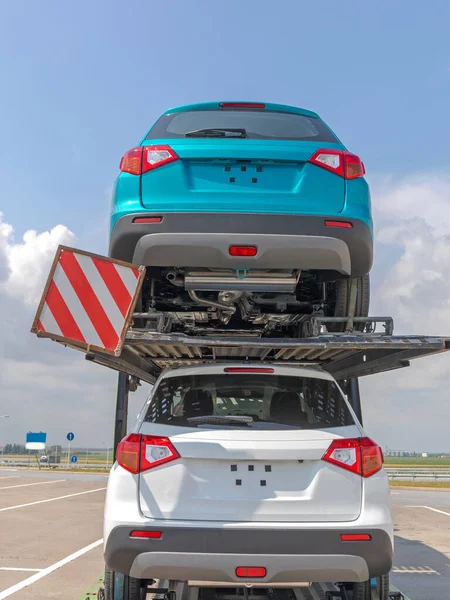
point(137, 452)
point(359, 455)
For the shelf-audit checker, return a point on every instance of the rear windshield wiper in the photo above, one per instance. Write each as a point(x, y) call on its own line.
point(221, 420)
point(217, 132)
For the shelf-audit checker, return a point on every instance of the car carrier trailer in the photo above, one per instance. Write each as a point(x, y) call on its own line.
point(79, 309)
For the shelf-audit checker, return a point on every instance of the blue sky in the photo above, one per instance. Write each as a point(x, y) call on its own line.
point(82, 82)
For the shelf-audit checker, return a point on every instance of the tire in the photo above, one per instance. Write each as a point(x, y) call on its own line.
point(341, 297)
point(363, 591)
point(123, 587)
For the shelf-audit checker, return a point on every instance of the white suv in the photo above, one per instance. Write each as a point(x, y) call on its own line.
point(238, 475)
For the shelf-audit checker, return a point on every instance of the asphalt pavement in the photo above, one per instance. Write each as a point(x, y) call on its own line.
point(51, 531)
point(422, 543)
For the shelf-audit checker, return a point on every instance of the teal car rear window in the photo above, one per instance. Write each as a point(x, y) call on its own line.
point(258, 125)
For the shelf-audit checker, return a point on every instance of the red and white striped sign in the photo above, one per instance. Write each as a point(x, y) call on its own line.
point(89, 300)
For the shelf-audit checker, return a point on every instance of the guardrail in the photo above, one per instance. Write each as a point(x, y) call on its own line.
point(80, 465)
point(418, 475)
point(407, 474)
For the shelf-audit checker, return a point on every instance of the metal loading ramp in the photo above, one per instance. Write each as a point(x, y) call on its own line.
point(315, 591)
point(146, 354)
point(112, 339)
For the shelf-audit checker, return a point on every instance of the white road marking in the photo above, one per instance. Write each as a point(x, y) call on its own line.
point(422, 570)
point(10, 487)
point(19, 569)
point(395, 493)
point(30, 580)
point(10, 477)
point(51, 500)
point(442, 512)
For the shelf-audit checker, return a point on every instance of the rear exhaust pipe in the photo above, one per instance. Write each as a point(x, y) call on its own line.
point(175, 279)
point(250, 282)
point(211, 303)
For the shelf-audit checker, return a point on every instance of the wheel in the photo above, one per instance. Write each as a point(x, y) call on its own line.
point(340, 297)
point(123, 587)
point(364, 591)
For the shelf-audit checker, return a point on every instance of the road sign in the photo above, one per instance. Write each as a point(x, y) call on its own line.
point(70, 436)
point(88, 301)
point(74, 459)
point(35, 441)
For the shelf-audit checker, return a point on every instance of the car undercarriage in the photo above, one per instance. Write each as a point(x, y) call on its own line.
point(261, 303)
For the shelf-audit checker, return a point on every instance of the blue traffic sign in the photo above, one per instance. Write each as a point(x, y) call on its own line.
point(74, 459)
point(36, 437)
point(70, 436)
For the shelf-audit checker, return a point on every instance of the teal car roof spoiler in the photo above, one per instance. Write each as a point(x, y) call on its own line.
point(245, 104)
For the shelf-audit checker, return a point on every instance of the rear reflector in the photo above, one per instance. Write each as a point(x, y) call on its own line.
point(356, 537)
point(243, 250)
point(142, 220)
point(242, 105)
point(248, 370)
point(342, 224)
point(251, 572)
point(150, 535)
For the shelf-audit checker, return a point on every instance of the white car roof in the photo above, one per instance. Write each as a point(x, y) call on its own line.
point(209, 369)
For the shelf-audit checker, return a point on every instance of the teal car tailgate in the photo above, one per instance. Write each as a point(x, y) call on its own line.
point(242, 175)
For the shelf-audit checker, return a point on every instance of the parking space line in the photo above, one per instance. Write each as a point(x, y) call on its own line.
point(30, 580)
point(10, 487)
point(51, 500)
point(19, 569)
point(10, 477)
point(442, 512)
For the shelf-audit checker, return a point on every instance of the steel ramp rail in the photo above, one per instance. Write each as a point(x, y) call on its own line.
point(146, 354)
point(317, 591)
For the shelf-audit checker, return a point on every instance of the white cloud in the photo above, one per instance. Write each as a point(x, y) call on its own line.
point(412, 217)
point(25, 264)
point(408, 408)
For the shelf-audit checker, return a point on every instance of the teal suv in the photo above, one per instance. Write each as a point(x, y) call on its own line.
point(249, 216)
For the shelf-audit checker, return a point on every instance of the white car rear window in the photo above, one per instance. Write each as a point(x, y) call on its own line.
point(249, 400)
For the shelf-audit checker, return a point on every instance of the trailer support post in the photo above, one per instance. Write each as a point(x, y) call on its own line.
point(354, 397)
point(120, 425)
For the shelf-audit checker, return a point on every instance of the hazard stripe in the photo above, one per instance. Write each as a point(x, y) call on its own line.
point(101, 291)
point(89, 300)
point(47, 322)
point(76, 308)
point(114, 283)
point(128, 277)
point(61, 314)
